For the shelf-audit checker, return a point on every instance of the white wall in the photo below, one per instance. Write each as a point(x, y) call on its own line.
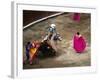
point(5, 38)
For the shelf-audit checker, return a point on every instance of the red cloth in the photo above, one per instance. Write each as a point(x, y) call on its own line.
point(76, 17)
point(79, 44)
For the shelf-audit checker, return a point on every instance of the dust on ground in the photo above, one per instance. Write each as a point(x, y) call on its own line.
point(66, 56)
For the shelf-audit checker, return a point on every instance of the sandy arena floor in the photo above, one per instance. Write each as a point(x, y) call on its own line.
point(66, 56)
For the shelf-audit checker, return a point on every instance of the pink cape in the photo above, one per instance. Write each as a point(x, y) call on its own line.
point(79, 44)
point(76, 17)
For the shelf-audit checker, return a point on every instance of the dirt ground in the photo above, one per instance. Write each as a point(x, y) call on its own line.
point(66, 56)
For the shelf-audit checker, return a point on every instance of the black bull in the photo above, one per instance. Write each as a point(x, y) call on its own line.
point(45, 50)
